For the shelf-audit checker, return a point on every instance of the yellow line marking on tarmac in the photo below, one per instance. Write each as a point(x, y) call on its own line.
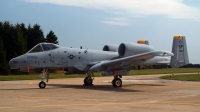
point(112, 102)
point(100, 100)
point(95, 103)
point(31, 97)
point(43, 106)
point(195, 103)
point(109, 102)
point(67, 105)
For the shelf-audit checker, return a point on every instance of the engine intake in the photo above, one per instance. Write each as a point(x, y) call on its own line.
point(111, 47)
point(128, 49)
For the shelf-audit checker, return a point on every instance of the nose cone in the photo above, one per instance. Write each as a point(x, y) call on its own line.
point(12, 63)
point(18, 62)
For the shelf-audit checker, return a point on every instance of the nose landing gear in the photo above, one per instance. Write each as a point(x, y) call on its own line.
point(44, 75)
point(42, 84)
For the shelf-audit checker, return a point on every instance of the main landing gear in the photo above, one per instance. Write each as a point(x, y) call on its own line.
point(44, 75)
point(116, 82)
point(89, 80)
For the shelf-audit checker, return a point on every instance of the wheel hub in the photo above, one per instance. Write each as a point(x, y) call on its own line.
point(118, 83)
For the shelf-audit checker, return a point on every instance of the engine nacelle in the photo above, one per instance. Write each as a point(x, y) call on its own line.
point(111, 47)
point(128, 49)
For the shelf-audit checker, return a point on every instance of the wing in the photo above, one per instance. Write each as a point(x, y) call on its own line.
point(121, 61)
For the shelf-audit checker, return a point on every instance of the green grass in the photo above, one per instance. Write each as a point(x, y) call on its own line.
point(98, 74)
point(188, 77)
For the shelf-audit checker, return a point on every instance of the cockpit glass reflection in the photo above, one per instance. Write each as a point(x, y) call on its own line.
point(38, 48)
point(43, 47)
point(47, 47)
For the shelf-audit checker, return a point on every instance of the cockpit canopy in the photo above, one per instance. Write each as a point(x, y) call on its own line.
point(43, 47)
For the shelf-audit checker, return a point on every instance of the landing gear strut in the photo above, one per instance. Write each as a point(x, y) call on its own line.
point(89, 80)
point(44, 75)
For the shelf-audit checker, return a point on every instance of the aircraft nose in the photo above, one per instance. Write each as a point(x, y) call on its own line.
point(11, 64)
point(18, 63)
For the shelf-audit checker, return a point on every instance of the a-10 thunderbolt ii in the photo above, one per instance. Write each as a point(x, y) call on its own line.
point(113, 60)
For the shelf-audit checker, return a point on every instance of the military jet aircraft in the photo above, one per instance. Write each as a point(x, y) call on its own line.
point(46, 56)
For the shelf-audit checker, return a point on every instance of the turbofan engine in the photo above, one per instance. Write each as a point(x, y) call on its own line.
point(128, 49)
point(110, 47)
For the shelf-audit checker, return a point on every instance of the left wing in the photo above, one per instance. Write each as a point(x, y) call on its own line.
point(144, 56)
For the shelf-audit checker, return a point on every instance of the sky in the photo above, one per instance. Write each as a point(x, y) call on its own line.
point(95, 23)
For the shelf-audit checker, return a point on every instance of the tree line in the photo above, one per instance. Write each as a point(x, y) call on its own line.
point(17, 39)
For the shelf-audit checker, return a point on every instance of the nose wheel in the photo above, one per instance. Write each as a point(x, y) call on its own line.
point(42, 84)
point(44, 75)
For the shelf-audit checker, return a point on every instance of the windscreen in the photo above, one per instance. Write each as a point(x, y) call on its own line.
point(38, 48)
point(48, 46)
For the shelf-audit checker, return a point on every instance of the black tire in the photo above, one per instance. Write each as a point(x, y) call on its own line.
point(42, 85)
point(117, 82)
point(88, 81)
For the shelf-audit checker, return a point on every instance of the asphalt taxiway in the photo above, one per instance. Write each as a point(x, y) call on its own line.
point(145, 93)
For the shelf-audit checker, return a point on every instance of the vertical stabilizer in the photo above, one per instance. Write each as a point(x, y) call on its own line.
point(179, 48)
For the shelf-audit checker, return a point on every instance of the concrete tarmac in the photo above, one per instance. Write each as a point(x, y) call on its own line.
point(144, 93)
